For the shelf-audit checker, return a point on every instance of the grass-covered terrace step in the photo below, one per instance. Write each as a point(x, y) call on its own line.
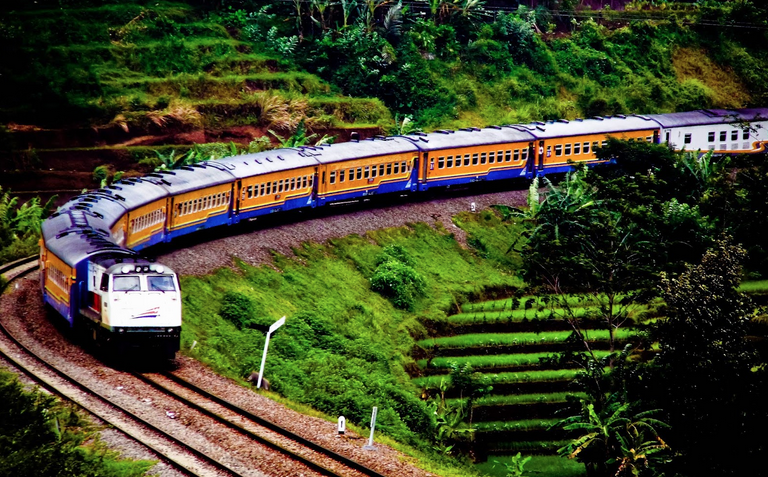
point(509, 343)
point(495, 363)
point(524, 430)
point(529, 382)
point(544, 447)
point(552, 317)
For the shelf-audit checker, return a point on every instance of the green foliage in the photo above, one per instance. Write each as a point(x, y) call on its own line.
point(39, 436)
point(708, 376)
point(516, 466)
point(20, 226)
point(396, 278)
point(616, 439)
point(236, 308)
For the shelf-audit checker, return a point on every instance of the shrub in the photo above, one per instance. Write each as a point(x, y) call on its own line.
point(399, 282)
point(236, 308)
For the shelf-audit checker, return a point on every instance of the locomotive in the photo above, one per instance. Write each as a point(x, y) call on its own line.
point(92, 273)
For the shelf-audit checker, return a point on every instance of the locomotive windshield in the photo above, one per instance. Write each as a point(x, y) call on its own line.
point(126, 283)
point(161, 283)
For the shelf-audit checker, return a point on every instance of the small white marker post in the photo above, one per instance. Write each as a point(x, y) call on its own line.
point(370, 445)
point(272, 329)
point(342, 425)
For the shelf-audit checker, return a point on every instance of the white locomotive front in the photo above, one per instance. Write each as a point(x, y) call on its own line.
point(134, 303)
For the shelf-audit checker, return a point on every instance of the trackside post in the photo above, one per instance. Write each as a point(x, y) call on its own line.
point(272, 329)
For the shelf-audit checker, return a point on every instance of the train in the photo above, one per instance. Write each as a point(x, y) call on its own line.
point(93, 274)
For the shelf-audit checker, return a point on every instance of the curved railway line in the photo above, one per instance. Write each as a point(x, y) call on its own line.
point(306, 457)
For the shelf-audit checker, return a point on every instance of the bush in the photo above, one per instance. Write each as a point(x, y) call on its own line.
point(237, 308)
point(396, 278)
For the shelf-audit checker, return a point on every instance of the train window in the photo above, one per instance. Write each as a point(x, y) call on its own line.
point(280, 186)
point(341, 177)
point(576, 148)
point(745, 135)
point(516, 154)
point(595, 146)
point(559, 150)
point(466, 160)
point(586, 148)
point(483, 158)
point(333, 177)
point(269, 188)
point(359, 173)
point(352, 174)
point(507, 155)
point(723, 135)
point(396, 168)
point(525, 154)
point(441, 162)
point(381, 169)
point(711, 136)
point(261, 189)
point(310, 180)
point(499, 155)
point(567, 149)
point(734, 135)
point(687, 139)
point(274, 187)
point(367, 172)
point(126, 283)
point(492, 157)
point(402, 167)
point(104, 286)
point(649, 139)
point(475, 159)
point(160, 283)
point(449, 161)
point(605, 143)
point(293, 183)
point(250, 192)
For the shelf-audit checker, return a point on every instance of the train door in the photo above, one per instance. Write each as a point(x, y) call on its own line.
point(542, 147)
point(424, 165)
point(238, 188)
point(530, 164)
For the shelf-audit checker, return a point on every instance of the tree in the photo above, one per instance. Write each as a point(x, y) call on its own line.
point(707, 376)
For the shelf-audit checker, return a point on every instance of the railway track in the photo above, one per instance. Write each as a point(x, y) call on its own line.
point(170, 446)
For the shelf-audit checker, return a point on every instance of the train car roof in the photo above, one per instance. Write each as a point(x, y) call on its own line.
point(195, 177)
point(710, 116)
point(265, 162)
point(596, 125)
point(75, 234)
point(469, 137)
point(102, 205)
point(134, 192)
point(345, 151)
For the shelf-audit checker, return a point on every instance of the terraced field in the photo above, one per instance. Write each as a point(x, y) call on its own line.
point(509, 341)
point(143, 76)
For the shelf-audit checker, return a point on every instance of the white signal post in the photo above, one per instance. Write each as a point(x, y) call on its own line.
point(272, 329)
point(370, 445)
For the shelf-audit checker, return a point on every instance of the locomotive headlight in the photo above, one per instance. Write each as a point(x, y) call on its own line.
point(126, 269)
point(170, 330)
point(159, 269)
point(121, 330)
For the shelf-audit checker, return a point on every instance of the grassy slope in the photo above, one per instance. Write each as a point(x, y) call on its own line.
point(344, 348)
